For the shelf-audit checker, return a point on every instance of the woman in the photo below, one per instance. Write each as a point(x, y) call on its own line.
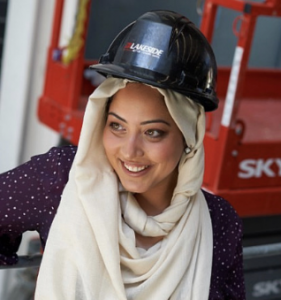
point(133, 222)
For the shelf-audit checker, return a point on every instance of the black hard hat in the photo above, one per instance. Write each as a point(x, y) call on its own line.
point(164, 49)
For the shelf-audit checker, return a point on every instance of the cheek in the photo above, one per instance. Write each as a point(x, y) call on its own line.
point(104, 139)
point(168, 153)
point(111, 145)
point(107, 141)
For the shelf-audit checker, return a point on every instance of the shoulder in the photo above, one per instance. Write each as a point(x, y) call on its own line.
point(65, 153)
point(54, 163)
point(221, 211)
point(227, 225)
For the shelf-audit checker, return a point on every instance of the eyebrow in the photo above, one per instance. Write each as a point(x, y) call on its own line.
point(142, 123)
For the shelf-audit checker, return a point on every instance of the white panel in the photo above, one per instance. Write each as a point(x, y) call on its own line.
point(27, 37)
point(17, 59)
point(232, 87)
point(38, 138)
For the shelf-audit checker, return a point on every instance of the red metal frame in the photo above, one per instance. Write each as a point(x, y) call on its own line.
point(241, 139)
point(66, 91)
point(259, 191)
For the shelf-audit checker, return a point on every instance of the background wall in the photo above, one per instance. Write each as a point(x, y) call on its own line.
point(3, 13)
point(27, 34)
point(27, 37)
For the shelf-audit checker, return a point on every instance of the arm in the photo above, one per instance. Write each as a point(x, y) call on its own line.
point(29, 197)
point(235, 285)
point(227, 281)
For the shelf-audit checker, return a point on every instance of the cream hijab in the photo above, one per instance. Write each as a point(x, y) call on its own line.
point(91, 253)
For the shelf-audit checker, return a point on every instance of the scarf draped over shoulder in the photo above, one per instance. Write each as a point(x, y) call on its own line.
point(91, 251)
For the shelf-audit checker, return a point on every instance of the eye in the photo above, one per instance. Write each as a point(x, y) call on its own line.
point(116, 126)
point(155, 133)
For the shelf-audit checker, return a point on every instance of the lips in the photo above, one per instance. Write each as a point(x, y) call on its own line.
point(135, 169)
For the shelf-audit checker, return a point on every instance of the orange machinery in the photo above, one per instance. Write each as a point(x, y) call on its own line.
point(243, 140)
point(243, 137)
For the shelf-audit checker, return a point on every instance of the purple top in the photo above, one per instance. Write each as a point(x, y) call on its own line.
point(30, 195)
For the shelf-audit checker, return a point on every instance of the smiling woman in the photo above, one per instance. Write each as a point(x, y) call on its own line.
point(143, 145)
point(133, 222)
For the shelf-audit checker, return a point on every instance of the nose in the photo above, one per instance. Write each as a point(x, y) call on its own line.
point(132, 147)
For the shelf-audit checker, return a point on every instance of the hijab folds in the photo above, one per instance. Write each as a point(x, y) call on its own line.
point(91, 251)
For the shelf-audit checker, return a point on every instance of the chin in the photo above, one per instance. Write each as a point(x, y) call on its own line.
point(133, 188)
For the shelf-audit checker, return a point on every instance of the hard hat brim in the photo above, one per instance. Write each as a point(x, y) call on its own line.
point(209, 104)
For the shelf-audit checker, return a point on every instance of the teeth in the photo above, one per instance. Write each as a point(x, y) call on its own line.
point(135, 169)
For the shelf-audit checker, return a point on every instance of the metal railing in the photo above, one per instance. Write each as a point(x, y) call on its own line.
point(25, 261)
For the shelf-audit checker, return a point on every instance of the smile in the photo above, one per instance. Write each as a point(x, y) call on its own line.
point(135, 169)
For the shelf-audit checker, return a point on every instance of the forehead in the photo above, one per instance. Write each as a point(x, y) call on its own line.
point(138, 96)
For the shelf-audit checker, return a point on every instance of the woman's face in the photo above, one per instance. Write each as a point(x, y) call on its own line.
point(141, 140)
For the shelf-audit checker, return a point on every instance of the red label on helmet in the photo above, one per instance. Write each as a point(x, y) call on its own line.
point(144, 49)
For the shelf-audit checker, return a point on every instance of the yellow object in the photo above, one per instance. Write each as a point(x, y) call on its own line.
point(76, 42)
